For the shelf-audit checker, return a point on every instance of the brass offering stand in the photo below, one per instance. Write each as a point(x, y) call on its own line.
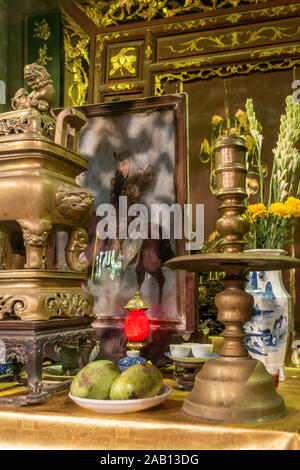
point(233, 387)
point(39, 161)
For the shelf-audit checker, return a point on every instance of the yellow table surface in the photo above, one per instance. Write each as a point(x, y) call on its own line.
point(61, 424)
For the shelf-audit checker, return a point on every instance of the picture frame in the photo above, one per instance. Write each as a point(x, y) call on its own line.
point(138, 125)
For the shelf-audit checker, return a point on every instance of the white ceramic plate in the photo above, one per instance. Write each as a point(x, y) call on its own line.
point(122, 406)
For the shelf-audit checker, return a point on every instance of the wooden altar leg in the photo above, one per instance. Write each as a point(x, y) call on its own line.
point(34, 362)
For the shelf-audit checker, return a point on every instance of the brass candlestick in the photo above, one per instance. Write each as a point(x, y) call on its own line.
point(233, 386)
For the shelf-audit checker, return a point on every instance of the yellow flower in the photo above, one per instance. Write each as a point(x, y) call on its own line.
point(257, 210)
point(280, 210)
point(248, 217)
point(216, 120)
point(292, 205)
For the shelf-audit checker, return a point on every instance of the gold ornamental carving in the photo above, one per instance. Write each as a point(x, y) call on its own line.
point(122, 87)
point(11, 306)
point(100, 43)
point(233, 18)
point(123, 63)
point(27, 121)
point(105, 14)
point(276, 11)
point(76, 47)
point(275, 51)
point(148, 53)
point(190, 24)
point(236, 38)
point(64, 304)
point(222, 71)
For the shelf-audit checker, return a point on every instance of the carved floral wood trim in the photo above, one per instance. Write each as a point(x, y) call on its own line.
point(118, 12)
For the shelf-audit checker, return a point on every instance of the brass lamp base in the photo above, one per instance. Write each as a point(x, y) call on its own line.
point(234, 391)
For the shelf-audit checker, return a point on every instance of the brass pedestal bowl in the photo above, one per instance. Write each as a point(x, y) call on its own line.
point(233, 387)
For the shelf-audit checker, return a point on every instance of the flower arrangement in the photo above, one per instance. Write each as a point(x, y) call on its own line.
point(271, 220)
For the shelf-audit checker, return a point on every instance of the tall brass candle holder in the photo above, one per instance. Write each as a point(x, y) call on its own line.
point(233, 387)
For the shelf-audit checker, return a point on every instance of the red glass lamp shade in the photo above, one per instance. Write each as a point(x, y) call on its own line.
point(137, 325)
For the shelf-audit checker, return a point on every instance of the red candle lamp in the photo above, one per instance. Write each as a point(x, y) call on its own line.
point(137, 324)
point(136, 330)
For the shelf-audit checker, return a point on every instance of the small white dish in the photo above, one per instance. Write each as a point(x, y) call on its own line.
point(197, 360)
point(180, 350)
point(122, 406)
point(201, 350)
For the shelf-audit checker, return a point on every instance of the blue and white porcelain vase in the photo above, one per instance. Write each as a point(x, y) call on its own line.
point(271, 323)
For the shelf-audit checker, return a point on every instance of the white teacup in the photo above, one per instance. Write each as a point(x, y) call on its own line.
point(180, 350)
point(201, 350)
point(190, 346)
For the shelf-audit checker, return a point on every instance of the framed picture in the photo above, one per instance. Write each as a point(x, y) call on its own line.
point(137, 152)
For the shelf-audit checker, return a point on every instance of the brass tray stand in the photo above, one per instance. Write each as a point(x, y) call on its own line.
point(25, 343)
point(185, 373)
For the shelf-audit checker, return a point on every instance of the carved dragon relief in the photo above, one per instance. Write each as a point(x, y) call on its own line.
point(76, 245)
point(73, 203)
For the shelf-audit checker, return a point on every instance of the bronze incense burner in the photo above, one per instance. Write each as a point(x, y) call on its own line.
point(39, 161)
point(233, 386)
point(39, 196)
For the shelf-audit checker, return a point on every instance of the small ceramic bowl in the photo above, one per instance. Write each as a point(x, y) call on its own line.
point(202, 350)
point(180, 350)
point(190, 346)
